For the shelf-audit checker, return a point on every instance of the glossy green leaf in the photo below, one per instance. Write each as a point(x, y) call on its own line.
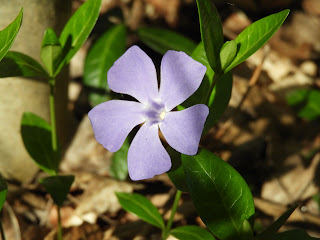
point(105, 51)
point(142, 207)
point(211, 32)
point(58, 187)
point(219, 100)
point(119, 165)
point(36, 136)
point(191, 233)
point(305, 102)
point(296, 234)
point(220, 195)
point(78, 28)
point(3, 192)
point(176, 173)
point(271, 231)
point(256, 35)
point(51, 51)
point(16, 64)
point(228, 53)
point(162, 40)
point(8, 34)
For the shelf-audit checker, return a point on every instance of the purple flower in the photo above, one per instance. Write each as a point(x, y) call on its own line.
point(134, 74)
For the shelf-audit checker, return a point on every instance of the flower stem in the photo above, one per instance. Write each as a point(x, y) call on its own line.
point(167, 229)
point(215, 78)
point(3, 237)
point(59, 224)
point(53, 116)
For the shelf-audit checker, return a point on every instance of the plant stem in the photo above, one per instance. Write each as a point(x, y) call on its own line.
point(59, 224)
point(166, 231)
point(53, 115)
point(215, 78)
point(3, 237)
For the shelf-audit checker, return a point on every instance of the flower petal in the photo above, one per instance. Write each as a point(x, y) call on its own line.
point(181, 76)
point(134, 73)
point(113, 120)
point(183, 129)
point(147, 156)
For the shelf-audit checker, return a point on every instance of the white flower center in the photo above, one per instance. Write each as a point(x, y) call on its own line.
point(162, 115)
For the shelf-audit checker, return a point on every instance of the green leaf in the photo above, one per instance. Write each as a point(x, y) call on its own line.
point(8, 34)
point(176, 173)
point(305, 102)
point(228, 53)
point(256, 35)
point(246, 231)
point(219, 100)
point(296, 234)
point(162, 40)
point(119, 165)
point(191, 233)
point(51, 51)
point(78, 28)
point(16, 64)
point(36, 136)
point(58, 187)
point(220, 195)
point(211, 32)
point(105, 51)
point(3, 192)
point(142, 207)
point(271, 231)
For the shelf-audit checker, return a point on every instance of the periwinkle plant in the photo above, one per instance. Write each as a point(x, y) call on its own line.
point(195, 88)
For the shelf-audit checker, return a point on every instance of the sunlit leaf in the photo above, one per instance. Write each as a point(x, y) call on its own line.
point(105, 51)
point(78, 28)
point(16, 64)
point(162, 40)
point(142, 207)
point(220, 195)
point(211, 32)
point(58, 187)
point(51, 51)
point(8, 34)
point(256, 35)
point(191, 233)
point(36, 136)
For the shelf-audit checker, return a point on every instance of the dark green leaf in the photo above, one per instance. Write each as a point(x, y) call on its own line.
point(246, 231)
point(211, 32)
point(8, 34)
point(219, 100)
point(58, 187)
point(142, 207)
point(36, 136)
point(162, 40)
point(228, 53)
point(3, 192)
point(51, 51)
point(108, 48)
point(78, 28)
point(305, 102)
point(119, 165)
point(220, 195)
point(270, 232)
point(176, 173)
point(296, 234)
point(256, 35)
point(16, 64)
point(191, 233)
